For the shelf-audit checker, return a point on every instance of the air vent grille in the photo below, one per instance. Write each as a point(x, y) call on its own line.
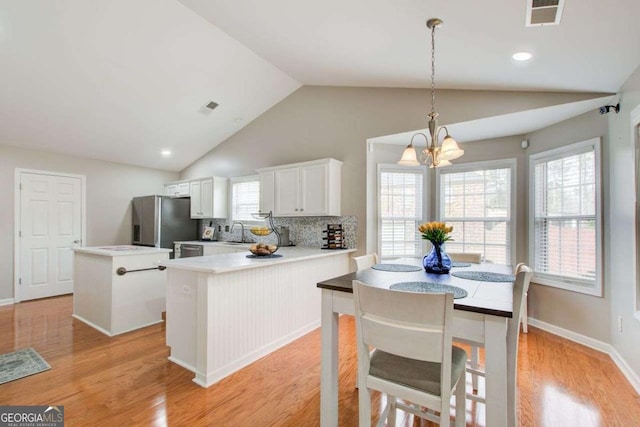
point(544, 12)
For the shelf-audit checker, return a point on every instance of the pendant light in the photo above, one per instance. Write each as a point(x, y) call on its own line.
point(435, 155)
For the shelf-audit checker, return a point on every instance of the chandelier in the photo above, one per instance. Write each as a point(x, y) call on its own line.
point(435, 155)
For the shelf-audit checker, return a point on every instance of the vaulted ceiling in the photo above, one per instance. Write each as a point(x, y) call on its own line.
point(122, 80)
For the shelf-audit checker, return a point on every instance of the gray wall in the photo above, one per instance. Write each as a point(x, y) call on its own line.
point(110, 187)
point(620, 236)
point(316, 122)
point(585, 314)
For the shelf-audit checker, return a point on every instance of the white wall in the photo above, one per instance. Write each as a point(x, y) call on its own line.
point(620, 235)
point(110, 188)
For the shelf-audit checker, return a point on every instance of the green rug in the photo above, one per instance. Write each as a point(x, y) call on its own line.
point(21, 363)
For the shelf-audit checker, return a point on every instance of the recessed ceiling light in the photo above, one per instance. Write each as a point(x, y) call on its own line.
point(165, 153)
point(522, 56)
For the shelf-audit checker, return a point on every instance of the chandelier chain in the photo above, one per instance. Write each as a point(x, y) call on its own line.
point(433, 69)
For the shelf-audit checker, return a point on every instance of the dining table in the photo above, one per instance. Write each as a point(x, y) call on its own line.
point(480, 317)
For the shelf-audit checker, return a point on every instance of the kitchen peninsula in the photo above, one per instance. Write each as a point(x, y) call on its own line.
point(226, 311)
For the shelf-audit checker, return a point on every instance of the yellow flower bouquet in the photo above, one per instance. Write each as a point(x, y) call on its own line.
point(435, 232)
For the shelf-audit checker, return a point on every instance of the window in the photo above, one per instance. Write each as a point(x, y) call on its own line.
point(477, 200)
point(400, 211)
point(564, 230)
point(245, 198)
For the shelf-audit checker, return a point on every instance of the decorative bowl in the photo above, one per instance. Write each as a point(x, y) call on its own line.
point(262, 249)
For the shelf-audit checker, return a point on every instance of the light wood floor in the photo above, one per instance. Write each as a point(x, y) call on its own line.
point(127, 380)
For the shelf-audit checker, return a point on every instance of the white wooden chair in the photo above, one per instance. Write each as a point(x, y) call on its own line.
point(366, 261)
point(474, 257)
point(520, 288)
point(412, 359)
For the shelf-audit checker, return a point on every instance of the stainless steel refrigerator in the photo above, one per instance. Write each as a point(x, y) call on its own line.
point(159, 221)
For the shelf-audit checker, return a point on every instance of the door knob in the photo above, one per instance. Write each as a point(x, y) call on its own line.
point(76, 241)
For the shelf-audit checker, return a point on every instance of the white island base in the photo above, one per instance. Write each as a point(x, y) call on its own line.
point(117, 303)
point(225, 312)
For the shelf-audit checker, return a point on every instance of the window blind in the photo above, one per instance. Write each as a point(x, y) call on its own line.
point(477, 203)
point(245, 200)
point(400, 212)
point(565, 235)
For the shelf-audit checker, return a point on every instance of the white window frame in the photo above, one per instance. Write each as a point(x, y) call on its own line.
point(237, 180)
point(390, 167)
point(486, 165)
point(569, 284)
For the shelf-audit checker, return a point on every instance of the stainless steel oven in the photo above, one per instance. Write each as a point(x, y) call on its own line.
point(188, 250)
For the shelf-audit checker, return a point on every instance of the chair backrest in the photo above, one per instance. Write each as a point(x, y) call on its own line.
point(475, 257)
point(408, 324)
point(517, 267)
point(520, 288)
point(366, 261)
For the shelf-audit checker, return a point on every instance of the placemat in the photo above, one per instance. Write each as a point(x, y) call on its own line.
point(264, 256)
point(484, 276)
point(460, 264)
point(396, 267)
point(436, 288)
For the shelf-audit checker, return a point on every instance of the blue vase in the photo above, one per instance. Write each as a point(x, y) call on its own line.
point(436, 261)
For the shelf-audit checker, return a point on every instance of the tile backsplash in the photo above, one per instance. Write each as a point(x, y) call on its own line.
point(303, 231)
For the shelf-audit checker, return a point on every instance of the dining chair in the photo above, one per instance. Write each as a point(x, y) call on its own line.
point(474, 257)
point(366, 261)
point(520, 288)
point(475, 350)
point(412, 358)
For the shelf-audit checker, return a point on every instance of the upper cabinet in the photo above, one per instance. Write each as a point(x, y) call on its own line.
point(208, 197)
point(177, 189)
point(301, 189)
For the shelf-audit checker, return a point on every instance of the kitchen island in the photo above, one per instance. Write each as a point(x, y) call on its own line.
point(117, 289)
point(226, 311)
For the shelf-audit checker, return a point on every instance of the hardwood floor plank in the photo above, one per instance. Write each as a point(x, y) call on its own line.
point(127, 380)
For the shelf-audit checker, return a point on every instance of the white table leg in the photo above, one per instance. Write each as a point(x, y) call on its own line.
point(329, 362)
point(495, 329)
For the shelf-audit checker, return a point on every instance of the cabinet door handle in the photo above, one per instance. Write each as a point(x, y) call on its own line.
point(296, 209)
point(301, 209)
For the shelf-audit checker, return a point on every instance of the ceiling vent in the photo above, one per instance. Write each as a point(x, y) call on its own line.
point(544, 12)
point(208, 108)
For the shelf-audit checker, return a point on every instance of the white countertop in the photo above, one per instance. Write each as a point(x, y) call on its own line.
point(121, 250)
point(239, 261)
point(217, 243)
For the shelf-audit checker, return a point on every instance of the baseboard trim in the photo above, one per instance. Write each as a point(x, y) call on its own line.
point(93, 325)
point(7, 301)
point(600, 346)
point(625, 369)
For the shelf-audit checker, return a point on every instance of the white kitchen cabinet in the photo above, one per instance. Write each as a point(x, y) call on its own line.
point(178, 189)
point(208, 197)
point(302, 189)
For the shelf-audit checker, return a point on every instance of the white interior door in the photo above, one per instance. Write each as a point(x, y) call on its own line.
point(50, 224)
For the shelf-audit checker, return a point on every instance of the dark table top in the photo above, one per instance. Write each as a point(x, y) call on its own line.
point(494, 298)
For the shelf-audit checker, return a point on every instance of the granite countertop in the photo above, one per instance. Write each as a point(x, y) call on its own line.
point(121, 250)
point(239, 261)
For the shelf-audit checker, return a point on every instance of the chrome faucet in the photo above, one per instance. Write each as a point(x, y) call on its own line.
point(242, 232)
